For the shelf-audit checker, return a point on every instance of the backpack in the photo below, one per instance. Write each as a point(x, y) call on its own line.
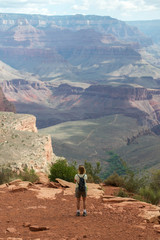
point(81, 184)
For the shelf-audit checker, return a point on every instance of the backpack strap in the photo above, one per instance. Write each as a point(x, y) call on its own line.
point(82, 176)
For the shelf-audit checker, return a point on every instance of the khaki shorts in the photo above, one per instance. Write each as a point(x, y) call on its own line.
point(79, 193)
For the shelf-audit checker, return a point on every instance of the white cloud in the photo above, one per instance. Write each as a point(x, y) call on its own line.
point(131, 5)
point(85, 5)
point(38, 3)
point(115, 8)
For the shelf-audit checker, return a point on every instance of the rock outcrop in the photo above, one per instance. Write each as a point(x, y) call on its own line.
point(21, 145)
point(5, 105)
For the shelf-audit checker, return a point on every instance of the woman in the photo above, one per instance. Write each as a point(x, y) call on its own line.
point(81, 189)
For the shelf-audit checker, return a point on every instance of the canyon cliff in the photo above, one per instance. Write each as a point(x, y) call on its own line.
point(21, 145)
point(67, 102)
point(75, 48)
point(5, 105)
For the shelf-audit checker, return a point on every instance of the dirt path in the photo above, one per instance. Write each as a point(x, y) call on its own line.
point(114, 120)
point(86, 138)
point(101, 223)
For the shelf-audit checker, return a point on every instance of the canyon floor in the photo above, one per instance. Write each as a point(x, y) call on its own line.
point(38, 212)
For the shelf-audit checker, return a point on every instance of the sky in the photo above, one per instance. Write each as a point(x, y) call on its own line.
point(121, 9)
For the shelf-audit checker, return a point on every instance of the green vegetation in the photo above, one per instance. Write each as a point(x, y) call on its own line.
point(150, 195)
point(7, 175)
point(92, 172)
point(122, 193)
point(144, 187)
point(28, 175)
point(62, 169)
point(115, 164)
point(66, 171)
point(114, 180)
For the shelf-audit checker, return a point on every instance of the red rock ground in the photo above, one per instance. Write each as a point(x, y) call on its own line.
point(17, 208)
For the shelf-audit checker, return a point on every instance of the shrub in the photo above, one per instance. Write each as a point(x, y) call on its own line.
point(122, 193)
point(6, 175)
point(151, 192)
point(61, 169)
point(92, 172)
point(155, 180)
point(150, 195)
point(133, 182)
point(28, 175)
point(90, 178)
point(114, 180)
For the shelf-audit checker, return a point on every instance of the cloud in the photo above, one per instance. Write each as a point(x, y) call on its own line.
point(130, 5)
point(32, 6)
point(85, 5)
point(37, 3)
point(115, 8)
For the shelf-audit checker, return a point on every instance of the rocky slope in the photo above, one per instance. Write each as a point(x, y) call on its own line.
point(21, 145)
point(5, 105)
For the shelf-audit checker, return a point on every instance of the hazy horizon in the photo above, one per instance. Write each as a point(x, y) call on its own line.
point(126, 10)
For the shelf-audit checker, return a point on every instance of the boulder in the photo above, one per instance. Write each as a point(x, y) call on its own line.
point(11, 230)
point(12, 238)
point(3, 186)
point(157, 228)
point(15, 182)
point(112, 199)
point(26, 224)
point(36, 228)
point(17, 189)
point(65, 184)
point(43, 178)
point(151, 216)
point(53, 185)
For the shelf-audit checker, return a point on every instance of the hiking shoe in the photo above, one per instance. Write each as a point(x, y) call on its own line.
point(78, 214)
point(84, 214)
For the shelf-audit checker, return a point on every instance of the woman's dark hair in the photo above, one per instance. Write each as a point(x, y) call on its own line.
point(81, 169)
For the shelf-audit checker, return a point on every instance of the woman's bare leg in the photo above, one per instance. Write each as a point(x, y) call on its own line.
point(78, 203)
point(84, 203)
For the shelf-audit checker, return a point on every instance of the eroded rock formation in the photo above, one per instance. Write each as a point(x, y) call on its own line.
point(21, 145)
point(5, 105)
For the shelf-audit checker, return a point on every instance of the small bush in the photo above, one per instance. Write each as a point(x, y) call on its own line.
point(122, 193)
point(61, 169)
point(7, 175)
point(90, 178)
point(28, 175)
point(155, 180)
point(114, 180)
point(133, 182)
point(92, 172)
point(150, 195)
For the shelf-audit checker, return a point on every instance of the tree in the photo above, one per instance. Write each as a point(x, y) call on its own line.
point(62, 169)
